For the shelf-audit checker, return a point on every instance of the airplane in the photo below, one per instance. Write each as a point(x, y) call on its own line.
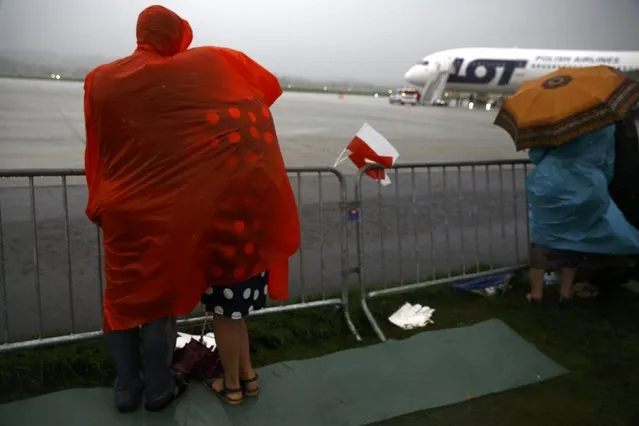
point(501, 71)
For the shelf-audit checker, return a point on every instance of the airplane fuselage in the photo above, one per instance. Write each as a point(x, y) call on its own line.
point(503, 70)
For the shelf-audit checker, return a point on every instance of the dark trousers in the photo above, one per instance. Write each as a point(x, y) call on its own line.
point(142, 358)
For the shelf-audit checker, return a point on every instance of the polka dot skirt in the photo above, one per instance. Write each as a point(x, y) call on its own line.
point(237, 301)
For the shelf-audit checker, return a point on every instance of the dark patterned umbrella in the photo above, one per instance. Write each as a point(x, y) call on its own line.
point(566, 104)
point(195, 359)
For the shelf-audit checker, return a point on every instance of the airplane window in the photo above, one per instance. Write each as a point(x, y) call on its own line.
point(424, 63)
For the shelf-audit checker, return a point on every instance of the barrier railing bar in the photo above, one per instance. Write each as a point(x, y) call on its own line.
point(446, 224)
point(476, 213)
point(430, 223)
point(502, 207)
point(26, 173)
point(73, 338)
point(36, 257)
point(460, 204)
point(67, 227)
point(320, 197)
point(101, 277)
point(443, 164)
point(399, 227)
point(414, 220)
point(446, 280)
point(382, 240)
point(300, 252)
point(490, 221)
point(515, 213)
point(3, 282)
point(30, 173)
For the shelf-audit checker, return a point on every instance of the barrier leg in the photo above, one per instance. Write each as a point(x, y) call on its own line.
point(371, 319)
point(347, 316)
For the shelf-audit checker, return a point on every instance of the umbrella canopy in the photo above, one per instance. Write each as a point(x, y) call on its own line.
point(566, 104)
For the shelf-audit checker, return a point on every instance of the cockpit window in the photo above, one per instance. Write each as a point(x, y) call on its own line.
point(423, 63)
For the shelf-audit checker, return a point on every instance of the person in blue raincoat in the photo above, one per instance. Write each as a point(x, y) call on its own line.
point(574, 223)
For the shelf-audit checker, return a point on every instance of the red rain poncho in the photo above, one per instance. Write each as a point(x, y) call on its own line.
point(185, 174)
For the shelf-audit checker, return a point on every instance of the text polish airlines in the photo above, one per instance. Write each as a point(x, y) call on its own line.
point(503, 70)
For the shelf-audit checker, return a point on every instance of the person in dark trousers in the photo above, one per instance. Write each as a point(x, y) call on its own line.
point(187, 181)
point(624, 191)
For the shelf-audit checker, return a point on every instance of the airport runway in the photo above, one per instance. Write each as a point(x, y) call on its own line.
point(421, 223)
point(42, 126)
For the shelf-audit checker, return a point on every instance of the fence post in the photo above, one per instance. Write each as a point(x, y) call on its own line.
point(345, 255)
point(359, 234)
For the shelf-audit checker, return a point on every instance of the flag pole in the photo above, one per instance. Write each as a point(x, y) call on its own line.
point(341, 158)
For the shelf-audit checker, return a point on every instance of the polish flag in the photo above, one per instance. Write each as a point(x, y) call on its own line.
point(369, 147)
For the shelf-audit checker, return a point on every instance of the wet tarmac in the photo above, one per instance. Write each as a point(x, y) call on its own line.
point(42, 126)
point(427, 221)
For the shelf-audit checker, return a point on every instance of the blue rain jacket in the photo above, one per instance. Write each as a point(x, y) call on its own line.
point(569, 205)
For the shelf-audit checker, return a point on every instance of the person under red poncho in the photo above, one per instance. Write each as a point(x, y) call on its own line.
point(187, 181)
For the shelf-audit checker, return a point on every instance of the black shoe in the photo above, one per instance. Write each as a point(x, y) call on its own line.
point(128, 401)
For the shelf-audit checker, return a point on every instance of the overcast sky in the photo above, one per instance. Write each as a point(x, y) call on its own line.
point(367, 40)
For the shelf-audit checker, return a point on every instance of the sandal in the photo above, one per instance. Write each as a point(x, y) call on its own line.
point(223, 393)
point(180, 388)
point(250, 392)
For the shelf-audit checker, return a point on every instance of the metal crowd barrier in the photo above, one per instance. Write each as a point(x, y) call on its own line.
point(467, 218)
point(64, 303)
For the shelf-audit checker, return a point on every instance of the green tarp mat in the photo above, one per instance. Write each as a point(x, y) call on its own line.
point(353, 387)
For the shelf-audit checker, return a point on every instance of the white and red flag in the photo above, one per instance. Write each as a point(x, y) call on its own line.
point(370, 147)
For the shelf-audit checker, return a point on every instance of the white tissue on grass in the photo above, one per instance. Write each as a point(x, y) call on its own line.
point(208, 339)
point(412, 316)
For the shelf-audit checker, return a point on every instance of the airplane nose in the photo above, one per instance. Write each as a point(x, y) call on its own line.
point(413, 75)
point(409, 74)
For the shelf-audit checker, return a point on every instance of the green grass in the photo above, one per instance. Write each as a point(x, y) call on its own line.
point(597, 340)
